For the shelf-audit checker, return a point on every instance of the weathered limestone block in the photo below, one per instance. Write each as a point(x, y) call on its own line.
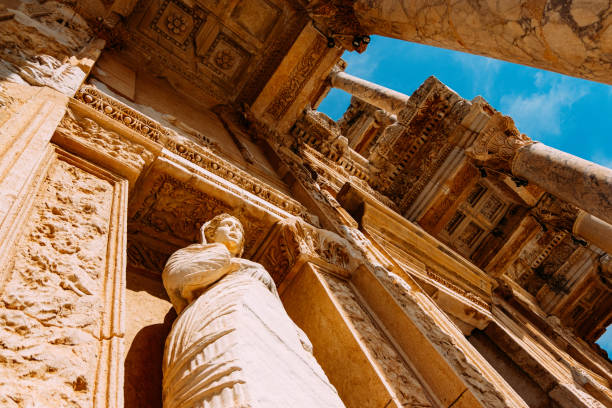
point(46, 45)
point(61, 328)
point(233, 344)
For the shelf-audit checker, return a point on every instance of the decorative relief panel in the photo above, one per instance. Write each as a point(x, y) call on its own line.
point(90, 133)
point(393, 368)
point(60, 311)
point(225, 57)
point(177, 210)
point(204, 155)
point(177, 23)
point(300, 74)
point(173, 212)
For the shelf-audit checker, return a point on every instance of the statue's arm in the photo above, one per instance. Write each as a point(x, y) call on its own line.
point(191, 270)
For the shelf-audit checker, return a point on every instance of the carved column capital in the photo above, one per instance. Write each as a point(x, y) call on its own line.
point(293, 242)
point(336, 19)
point(555, 212)
point(498, 142)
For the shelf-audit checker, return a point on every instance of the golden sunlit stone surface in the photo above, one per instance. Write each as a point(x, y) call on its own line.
point(179, 225)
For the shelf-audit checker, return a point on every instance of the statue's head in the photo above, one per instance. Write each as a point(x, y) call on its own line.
point(224, 229)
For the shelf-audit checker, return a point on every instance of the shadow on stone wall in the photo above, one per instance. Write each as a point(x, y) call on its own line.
point(143, 365)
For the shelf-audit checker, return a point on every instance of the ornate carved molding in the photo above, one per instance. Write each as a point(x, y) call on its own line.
point(177, 209)
point(88, 132)
point(300, 74)
point(205, 155)
point(466, 294)
point(555, 212)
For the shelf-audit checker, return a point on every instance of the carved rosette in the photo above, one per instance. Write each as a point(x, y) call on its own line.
point(497, 144)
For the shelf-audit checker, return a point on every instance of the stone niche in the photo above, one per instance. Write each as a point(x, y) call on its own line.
point(166, 210)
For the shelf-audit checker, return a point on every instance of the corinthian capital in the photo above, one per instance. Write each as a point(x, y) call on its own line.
point(498, 142)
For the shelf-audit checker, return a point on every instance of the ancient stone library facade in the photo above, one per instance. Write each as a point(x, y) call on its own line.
point(180, 227)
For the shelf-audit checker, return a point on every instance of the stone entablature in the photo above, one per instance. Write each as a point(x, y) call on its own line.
point(204, 154)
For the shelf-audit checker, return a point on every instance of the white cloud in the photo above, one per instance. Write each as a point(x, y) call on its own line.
point(605, 160)
point(361, 65)
point(484, 71)
point(541, 113)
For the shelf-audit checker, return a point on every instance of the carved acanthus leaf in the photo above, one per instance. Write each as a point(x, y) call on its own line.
point(498, 142)
point(555, 212)
point(293, 241)
point(90, 133)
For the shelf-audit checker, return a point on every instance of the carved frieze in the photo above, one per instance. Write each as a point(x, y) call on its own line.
point(90, 133)
point(169, 216)
point(122, 113)
point(300, 74)
point(175, 210)
point(204, 155)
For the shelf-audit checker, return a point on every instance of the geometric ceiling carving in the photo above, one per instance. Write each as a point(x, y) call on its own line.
point(226, 49)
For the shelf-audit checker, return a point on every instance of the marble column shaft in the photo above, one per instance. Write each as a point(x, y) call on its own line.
point(379, 96)
point(570, 37)
point(594, 230)
point(582, 183)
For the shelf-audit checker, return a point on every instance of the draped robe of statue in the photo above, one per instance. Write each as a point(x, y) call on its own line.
point(234, 345)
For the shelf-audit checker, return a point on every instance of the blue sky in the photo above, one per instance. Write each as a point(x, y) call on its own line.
point(570, 114)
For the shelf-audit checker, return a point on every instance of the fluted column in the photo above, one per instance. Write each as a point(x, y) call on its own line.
point(573, 37)
point(585, 184)
point(379, 96)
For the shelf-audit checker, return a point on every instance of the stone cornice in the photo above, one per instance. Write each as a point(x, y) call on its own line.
point(204, 155)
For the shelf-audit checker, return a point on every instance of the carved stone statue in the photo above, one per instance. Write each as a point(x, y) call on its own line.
point(233, 344)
